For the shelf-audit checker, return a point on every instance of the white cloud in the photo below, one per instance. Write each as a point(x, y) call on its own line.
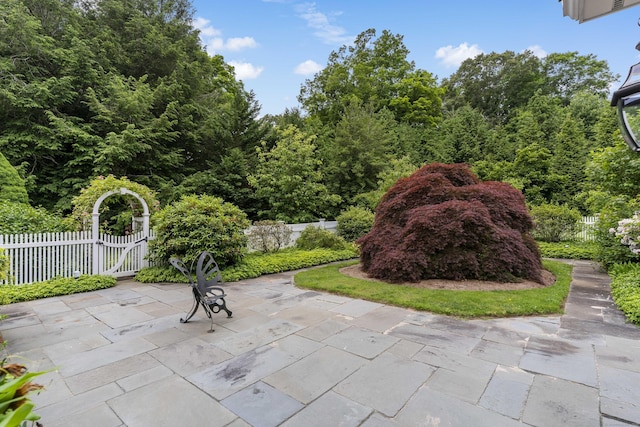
point(537, 51)
point(204, 27)
point(321, 23)
point(239, 43)
point(211, 38)
point(246, 70)
point(307, 68)
point(454, 56)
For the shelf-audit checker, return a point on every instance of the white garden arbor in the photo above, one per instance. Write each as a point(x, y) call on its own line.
point(119, 255)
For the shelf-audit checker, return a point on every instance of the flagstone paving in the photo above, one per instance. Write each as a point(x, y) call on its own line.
point(292, 357)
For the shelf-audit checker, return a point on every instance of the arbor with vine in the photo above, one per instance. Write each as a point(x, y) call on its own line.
point(83, 203)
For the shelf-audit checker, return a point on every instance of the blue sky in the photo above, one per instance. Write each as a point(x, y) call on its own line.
point(275, 45)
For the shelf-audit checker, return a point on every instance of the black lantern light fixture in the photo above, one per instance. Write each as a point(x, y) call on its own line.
point(627, 99)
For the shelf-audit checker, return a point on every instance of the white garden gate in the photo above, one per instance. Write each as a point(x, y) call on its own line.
point(119, 255)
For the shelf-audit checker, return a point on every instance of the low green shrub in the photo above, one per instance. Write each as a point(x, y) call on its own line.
point(256, 264)
point(354, 223)
point(269, 236)
point(625, 289)
point(555, 223)
point(315, 237)
point(569, 250)
point(611, 251)
point(199, 223)
point(54, 287)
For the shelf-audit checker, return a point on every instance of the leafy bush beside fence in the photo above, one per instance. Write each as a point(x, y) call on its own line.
point(198, 223)
point(354, 223)
point(314, 237)
point(269, 236)
point(555, 223)
point(4, 265)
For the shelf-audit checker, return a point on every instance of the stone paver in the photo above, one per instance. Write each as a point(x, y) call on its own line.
point(557, 402)
point(294, 357)
point(507, 391)
point(312, 376)
point(262, 405)
point(371, 384)
point(330, 409)
point(169, 402)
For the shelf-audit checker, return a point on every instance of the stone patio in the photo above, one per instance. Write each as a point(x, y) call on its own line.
point(295, 357)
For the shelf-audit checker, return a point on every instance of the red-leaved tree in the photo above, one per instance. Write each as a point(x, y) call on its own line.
point(442, 222)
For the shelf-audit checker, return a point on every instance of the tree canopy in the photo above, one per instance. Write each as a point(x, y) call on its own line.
point(124, 87)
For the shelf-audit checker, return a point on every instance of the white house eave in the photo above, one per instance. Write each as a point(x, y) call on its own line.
point(585, 10)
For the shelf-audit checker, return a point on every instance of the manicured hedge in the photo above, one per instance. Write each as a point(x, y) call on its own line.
point(255, 265)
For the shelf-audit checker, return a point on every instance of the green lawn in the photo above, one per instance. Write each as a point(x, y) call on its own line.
point(549, 300)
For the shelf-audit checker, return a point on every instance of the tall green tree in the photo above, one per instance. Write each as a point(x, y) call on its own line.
point(569, 73)
point(289, 178)
point(614, 170)
point(376, 72)
point(465, 135)
point(532, 166)
point(358, 152)
point(118, 87)
point(569, 161)
point(496, 84)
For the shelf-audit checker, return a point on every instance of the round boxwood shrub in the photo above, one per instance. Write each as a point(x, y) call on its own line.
point(442, 222)
point(354, 223)
point(315, 237)
point(555, 223)
point(200, 223)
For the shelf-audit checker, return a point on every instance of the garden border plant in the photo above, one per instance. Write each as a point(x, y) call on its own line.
point(625, 289)
point(55, 287)
point(256, 264)
point(467, 304)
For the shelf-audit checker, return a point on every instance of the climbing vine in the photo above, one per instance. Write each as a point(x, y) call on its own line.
point(83, 203)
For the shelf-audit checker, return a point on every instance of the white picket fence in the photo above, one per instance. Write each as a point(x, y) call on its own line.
point(587, 229)
point(40, 257)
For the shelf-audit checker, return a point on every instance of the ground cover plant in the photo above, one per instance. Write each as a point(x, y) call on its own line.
point(257, 264)
point(625, 289)
point(442, 222)
point(462, 303)
point(54, 287)
point(569, 250)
